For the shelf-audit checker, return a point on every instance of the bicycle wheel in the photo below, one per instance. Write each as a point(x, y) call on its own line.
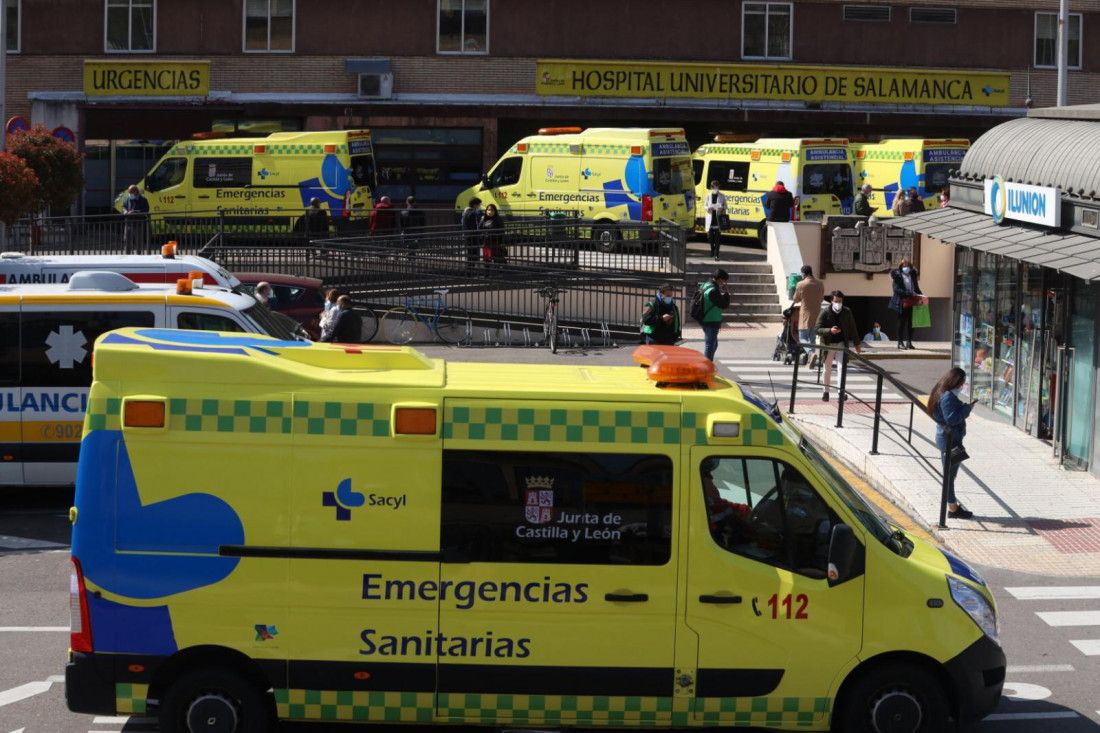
point(550, 328)
point(398, 325)
point(453, 325)
point(370, 324)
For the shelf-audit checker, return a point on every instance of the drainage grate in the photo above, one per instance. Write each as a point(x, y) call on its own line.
point(1069, 536)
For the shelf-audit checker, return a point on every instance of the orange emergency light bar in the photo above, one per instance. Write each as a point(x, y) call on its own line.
point(559, 130)
point(674, 365)
point(168, 251)
point(521, 147)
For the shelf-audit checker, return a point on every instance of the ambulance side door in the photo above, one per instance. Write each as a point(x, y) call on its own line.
point(11, 396)
point(773, 635)
point(168, 186)
point(504, 186)
point(558, 575)
point(554, 185)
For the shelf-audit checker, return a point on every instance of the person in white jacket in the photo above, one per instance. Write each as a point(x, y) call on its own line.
point(716, 208)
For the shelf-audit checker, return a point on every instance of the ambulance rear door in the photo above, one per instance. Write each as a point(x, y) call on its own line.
point(558, 560)
point(56, 369)
point(774, 635)
point(11, 396)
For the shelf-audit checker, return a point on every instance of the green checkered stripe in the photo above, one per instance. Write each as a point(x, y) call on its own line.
point(413, 707)
point(363, 419)
point(237, 149)
point(130, 698)
point(593, 148)
point(886, 155)
point(103, 414)
point(759, 431)
point(726, 149)
point(228, 416)
point(694, 425)
point(559, 425)
point(599, 149)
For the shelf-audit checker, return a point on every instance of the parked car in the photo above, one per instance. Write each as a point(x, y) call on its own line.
point(300, 298)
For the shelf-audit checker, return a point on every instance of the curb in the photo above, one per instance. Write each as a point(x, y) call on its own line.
point(860, 463)
point(906, 354)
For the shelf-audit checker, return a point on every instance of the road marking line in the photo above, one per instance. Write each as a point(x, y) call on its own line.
point(1024, 668)
point(15, 694)
point(1032, 716)
point(1088, 647)
point(33, 629)
point(1055, 593)
point(121, 720)
point(1070, 618)
point(1025, 691)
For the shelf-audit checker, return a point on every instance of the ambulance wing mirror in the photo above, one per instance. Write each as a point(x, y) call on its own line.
point(485, 181)
point(845, 556)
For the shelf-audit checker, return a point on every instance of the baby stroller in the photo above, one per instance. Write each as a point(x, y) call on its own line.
point(786, 343)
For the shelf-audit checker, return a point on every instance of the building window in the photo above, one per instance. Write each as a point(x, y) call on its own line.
point(463, 26)
point(1046, 40)
point(944, 16)
point(867, 13)
point(11, 7)
point(130, 26)
point(766, 31)
point(269, 26)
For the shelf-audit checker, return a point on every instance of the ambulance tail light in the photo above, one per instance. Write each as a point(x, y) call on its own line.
point(143, 414)
point(647, 207)
point(414, 421)
point(80, 621)
point(346, 213)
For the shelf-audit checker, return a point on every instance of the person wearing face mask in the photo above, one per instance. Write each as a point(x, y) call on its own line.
point(875, 335)
point(716, 211)
point(906, 294)
point(135, 212)
point(836, 326)
point(661, 318)
point(948, 407)
point(329, 314)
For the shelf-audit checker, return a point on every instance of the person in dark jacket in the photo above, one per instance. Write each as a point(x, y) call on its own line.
point(492, 236)
point(316, 219)
point(779, 203)
point(349, 326)
point(716, 298)
point(948, 408)
point(135, 212)
point(836, 326)
point(661, 318)
point(471, 218)
point(906, 294)
point(916, 203)
point(412, 218)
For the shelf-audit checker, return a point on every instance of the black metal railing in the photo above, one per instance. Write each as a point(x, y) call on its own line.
point(881, 376)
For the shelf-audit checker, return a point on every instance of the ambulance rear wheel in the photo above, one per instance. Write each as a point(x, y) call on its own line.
point(215, 701)
point(895, 698)
point(606, 237)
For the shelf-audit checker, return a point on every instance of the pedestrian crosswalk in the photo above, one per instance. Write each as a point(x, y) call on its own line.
point(767, 376)
point(1082, 621)
point(120, 723)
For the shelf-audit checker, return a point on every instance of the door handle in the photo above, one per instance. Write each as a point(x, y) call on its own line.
point(719, 599)
point(626, 597)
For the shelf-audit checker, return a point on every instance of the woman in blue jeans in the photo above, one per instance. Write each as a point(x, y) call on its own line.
point(947, 408)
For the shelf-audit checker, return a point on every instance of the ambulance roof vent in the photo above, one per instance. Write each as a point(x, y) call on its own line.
point(108, 282)
point(11, 255)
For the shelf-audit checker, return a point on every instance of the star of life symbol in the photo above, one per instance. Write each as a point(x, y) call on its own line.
point(539, 507)
point(66, 347)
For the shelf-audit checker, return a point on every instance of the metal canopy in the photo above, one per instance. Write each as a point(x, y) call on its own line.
point(1073, 254)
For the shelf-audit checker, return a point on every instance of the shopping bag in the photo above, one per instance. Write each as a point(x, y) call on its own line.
point(922, 318)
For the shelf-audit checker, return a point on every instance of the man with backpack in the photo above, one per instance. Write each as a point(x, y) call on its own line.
point(661, 318)
point(707, 305)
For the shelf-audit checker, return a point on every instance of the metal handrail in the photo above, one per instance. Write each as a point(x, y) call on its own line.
point(881, 376)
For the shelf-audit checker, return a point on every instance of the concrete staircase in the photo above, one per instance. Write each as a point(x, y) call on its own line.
point(753, 298)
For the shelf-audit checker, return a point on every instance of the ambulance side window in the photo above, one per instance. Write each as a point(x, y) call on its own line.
point(571, 508)
point(223, 172)
point(697, 172)
point(731, 175)
point(206, 322)
point(57, 346)
point(9, 348)
point(767, 511)
point(507, 172)
point(170, 172)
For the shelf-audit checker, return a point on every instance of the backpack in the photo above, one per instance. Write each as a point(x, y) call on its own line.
point(698, 306)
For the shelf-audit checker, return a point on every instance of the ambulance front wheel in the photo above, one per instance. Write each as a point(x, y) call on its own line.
point(895, 698)
point(606, 237)
point(215, 701)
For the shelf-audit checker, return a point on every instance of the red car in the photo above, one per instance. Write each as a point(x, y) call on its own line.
point(300, 298)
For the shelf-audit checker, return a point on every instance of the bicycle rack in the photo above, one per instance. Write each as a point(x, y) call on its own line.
point(586, 338)
point(506, 329)
point(526, 336)
point(605, 333)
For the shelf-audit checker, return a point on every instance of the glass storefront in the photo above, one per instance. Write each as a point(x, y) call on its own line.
point(1026, 338)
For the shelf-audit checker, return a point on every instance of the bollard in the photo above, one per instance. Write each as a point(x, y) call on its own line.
point(794, 381)
point(507, 329)
point(526, 336)
point(950, 436)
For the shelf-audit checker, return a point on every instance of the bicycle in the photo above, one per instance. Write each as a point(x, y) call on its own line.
point(450, 325)
point(550, 316)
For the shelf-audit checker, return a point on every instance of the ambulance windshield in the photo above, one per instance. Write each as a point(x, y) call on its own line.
point(672, 175)
point(362, 170)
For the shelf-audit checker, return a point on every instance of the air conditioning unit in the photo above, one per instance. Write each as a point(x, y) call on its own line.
point(375, 85)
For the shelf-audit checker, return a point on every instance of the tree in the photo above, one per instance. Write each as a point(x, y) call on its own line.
point(57, 164)
point(19, 188)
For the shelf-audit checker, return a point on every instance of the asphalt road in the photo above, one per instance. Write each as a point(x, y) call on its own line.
point(1051, 684)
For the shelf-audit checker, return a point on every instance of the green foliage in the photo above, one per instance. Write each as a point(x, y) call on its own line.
point(19, 188)
point(56, 163)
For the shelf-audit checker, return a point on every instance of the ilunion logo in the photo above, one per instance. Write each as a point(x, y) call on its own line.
point(998, 200)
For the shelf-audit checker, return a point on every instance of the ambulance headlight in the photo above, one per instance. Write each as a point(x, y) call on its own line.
point(976, 606)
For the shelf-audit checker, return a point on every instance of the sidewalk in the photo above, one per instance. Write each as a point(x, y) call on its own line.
point(1029, 514)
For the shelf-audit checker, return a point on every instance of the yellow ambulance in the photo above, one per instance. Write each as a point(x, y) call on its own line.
point(900, 164)
point(318, 532)
point(46, 337)
point(817, 172)
point(611, 177)
point(259, 182)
